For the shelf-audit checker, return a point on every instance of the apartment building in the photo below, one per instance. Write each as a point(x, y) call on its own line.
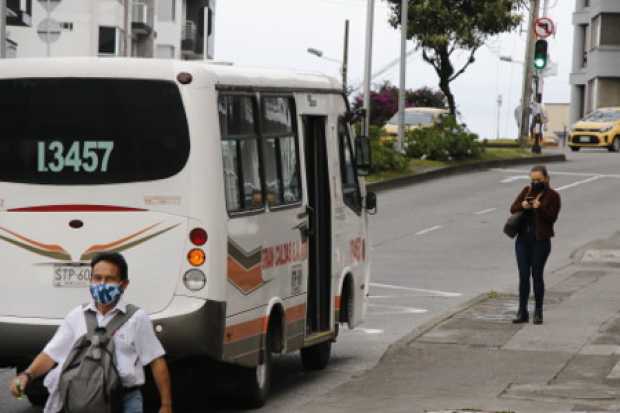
point(180, 29)
point(19, 14)
point(595, 78)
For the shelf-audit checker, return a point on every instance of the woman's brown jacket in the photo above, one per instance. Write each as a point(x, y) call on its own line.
point(546, 215)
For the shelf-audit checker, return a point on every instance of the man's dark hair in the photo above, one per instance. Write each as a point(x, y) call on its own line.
point(113, 258)
point(542, 169)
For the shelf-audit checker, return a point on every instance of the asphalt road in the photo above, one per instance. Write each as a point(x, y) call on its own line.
point(434, 246)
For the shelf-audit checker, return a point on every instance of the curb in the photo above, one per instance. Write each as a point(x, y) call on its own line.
point(402, 181)
point(431, 324)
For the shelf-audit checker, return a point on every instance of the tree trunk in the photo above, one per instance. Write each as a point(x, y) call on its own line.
point(444, 85)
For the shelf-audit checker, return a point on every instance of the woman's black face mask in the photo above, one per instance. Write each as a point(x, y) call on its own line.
point(538, 186)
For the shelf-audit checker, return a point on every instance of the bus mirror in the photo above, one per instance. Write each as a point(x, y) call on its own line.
point(363, 155)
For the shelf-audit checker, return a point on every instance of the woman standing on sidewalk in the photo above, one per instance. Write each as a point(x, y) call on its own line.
point(541, 206)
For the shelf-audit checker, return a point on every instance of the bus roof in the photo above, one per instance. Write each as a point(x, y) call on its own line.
point(130, 68)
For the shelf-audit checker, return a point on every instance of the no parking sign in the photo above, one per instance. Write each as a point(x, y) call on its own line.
point(544, 27)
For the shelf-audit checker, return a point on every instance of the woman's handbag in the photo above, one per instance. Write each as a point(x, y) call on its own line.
point(515, 221)
point(514, 224)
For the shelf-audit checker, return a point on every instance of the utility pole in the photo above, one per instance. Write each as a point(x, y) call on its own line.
point(370, 18)
point(345, 57)
point(541, 82)
point(404, 25)
point(528, 75)
point(3, 14)
point(500, 100)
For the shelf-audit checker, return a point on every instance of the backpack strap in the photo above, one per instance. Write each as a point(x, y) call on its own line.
point(91, 321)
point(119, 320)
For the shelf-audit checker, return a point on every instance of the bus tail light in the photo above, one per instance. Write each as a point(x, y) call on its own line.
point(194, 280)
point(198, 236)
point(196, 257)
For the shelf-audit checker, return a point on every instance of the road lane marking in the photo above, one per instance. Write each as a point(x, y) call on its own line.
point(574, 184)
point(369, 330)
point(428, 230)
point(396, 309)
point(485, 211)
point(512, 179)
point(418, 290)
point(559, 173)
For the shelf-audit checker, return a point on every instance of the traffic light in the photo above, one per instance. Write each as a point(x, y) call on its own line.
point(540, 54)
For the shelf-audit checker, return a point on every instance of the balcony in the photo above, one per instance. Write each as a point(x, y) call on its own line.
point(19, 13)
point(142, 19)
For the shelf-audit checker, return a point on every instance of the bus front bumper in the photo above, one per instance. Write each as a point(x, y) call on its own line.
point(188, 327)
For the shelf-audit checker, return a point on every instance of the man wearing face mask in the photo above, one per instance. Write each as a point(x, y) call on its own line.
point(540, 205)
point(135, 342)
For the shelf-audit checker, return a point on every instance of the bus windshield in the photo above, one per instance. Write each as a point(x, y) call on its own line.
point(67, 131)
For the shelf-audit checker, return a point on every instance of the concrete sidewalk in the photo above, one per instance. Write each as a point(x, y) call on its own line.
point(477, 360)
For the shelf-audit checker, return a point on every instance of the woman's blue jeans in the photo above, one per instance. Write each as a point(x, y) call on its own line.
point(532, 255)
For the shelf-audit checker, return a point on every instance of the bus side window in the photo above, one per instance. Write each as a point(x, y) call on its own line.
point(240, 151)
point(281, 152)
point(350, 183)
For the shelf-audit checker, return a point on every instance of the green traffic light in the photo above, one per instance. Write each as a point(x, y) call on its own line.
point(540, 54)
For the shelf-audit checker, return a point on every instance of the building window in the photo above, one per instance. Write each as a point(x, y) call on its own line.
point(164, 51)
point(109, 41)
point(240, 152)
point(281, 151)
point(166, 10)
point(610, 29)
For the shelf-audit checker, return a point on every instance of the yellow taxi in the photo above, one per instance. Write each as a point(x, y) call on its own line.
point(600, 129)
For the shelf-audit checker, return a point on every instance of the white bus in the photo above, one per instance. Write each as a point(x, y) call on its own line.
point(233, 193)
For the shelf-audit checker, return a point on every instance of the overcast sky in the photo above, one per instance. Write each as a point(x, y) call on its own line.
point(276, 34)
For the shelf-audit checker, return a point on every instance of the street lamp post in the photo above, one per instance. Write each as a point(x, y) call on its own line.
point(370, 19)
point(404, 12)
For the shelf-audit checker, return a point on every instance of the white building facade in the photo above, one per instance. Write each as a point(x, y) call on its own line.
point(139, 28)
point(595, 78)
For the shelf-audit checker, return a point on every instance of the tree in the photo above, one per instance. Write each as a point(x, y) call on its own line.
point(384, 101)
point(442, 28)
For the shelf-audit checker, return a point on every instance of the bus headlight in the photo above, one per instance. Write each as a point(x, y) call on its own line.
point(194, 280)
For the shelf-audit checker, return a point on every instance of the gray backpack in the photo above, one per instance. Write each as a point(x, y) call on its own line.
point(89, 380)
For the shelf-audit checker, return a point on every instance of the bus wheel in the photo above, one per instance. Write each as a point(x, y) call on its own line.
point(615, 146)
point(258, 379)
point(316, 357)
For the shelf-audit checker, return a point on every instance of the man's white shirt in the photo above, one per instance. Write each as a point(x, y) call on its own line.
point(136, 346)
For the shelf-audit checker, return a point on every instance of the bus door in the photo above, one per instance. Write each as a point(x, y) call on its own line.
point(319, 216)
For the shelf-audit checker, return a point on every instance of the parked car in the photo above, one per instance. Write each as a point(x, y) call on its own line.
point(600, 129)
point(415, 118)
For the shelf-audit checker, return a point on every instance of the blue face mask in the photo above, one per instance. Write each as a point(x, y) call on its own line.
point(106, 293)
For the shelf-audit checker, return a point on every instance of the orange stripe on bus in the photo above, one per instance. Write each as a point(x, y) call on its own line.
point(296, 313)
point(245, 279)
point(46, 247)
point(337, 302)
point(245, 330)
point(104, 247)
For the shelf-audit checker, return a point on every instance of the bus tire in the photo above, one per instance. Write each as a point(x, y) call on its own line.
point(316, 357)
point(257, 380)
